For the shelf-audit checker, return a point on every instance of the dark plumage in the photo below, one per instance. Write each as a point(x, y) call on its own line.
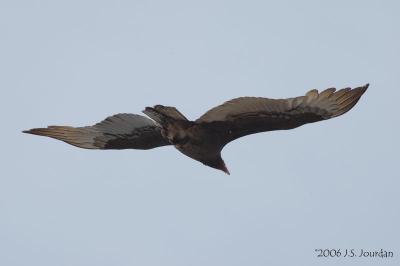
point(204, 138)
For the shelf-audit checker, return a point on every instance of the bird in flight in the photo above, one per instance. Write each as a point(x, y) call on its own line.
point(204, 138)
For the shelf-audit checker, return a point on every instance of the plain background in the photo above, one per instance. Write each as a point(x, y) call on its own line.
point(333, 184)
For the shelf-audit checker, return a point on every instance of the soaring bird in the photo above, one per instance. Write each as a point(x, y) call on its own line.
point(204, 138)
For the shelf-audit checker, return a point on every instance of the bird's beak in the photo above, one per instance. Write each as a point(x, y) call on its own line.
point(223, 168)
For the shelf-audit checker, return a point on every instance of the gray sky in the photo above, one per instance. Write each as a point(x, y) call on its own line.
point(333, 184)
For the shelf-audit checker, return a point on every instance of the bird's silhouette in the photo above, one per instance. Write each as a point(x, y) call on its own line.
point(204, 138)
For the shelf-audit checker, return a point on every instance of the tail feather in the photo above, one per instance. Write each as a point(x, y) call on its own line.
point(164, 114)
point(170, 112)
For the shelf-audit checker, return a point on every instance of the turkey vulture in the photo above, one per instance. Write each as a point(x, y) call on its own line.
point(204, 138)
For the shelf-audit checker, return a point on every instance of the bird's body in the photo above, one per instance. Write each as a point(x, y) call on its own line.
point(204, 138)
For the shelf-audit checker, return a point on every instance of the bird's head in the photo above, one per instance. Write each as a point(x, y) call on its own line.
point(217, 163)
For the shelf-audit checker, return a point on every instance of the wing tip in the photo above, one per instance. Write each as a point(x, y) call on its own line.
point(33, 131)
point(46, 132)
point(348, 100)
point(363, 88)
point(359, 91)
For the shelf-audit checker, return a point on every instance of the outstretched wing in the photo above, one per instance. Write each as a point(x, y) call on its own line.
point(121, 131)
point(248, 115)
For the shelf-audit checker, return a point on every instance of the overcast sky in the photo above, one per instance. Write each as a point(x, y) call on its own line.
point(333, 184)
